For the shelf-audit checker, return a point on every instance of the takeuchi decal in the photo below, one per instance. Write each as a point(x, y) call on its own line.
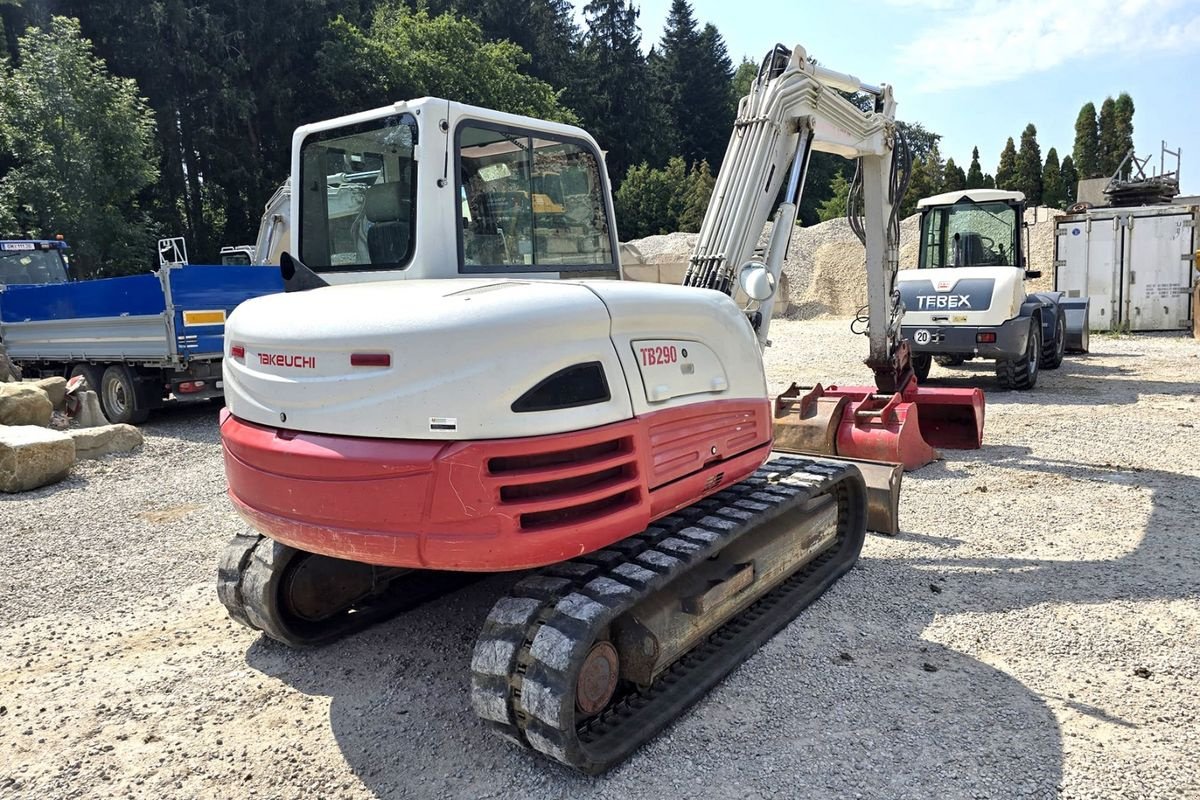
point(283, 360)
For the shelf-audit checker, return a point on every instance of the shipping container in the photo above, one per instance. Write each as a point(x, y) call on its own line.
point(1136, 264)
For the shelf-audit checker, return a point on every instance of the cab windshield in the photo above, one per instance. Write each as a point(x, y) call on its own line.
point(969, 234)
point(31, 267)
point(357, 209)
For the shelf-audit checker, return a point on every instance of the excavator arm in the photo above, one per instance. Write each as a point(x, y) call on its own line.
point(795, 107)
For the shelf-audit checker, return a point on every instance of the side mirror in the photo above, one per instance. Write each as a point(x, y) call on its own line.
point(1033, 273)
point(756, 281)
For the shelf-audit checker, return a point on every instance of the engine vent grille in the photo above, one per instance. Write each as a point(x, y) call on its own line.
point(561, 487)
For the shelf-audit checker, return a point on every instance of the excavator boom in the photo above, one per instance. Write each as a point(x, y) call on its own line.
point(795, 107)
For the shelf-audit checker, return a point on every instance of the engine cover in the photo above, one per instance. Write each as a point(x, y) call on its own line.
point(483, 359)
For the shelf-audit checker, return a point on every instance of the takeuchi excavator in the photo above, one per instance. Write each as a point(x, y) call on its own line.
point(422, 405)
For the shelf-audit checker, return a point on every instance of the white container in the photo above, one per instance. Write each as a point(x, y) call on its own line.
point(1136, 264)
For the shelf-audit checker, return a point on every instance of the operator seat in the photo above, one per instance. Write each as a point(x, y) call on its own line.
point(388, 209)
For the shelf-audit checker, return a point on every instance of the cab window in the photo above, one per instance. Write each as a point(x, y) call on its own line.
point(357, 196)
point(529, 202)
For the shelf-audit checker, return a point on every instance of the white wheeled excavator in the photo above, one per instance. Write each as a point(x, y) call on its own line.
point(442, 410)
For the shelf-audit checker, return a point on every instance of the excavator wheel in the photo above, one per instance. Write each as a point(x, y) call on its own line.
point(1053, 351)
point(1022, 373)
point(303, 599)
point(586, 660)
point(921, 364)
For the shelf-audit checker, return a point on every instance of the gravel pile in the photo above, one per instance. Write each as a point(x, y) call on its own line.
point(1034, 632)
point(824, 273)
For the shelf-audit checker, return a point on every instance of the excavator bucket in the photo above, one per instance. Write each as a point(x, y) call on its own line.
point(947, 418)
point(809, 422)
point(860, 422)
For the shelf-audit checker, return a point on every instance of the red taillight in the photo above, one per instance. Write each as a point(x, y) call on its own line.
point(985, 338)
point(370, 359)
point(237, 351)
point(190, 387)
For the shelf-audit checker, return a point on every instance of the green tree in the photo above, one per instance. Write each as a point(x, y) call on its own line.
point(1110, 153)
point(643, 202)
point(404, 53)
point(653, 201)
point(1069, 178)
point(545, 29)
point(1053, 192)
point(988, 181)
point(694, 74)
point(1123, 122)
point(714, 120)
point(974, 172)
point(1086, 152)
point(925, 180)
point(1006, 172)
point(1029, 167)
point(920, 140)
point(696, 196)
point(617, 102)
point(743, 79)
point(228, 81)
point(953, 177)
point(82, 148)
point(835, 206)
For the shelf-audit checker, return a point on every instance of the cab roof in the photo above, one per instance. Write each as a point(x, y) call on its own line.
point(971, 195)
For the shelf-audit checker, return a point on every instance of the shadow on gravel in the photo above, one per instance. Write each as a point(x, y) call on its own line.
point(1165, 564)
point(1076, 382)
point(847, 700)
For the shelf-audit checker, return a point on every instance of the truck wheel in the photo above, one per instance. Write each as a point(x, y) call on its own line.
point(1021, 373)
point(949, 361)
point(90, 373)
point(921, 362)
point(1052, 352)
point(121, 399)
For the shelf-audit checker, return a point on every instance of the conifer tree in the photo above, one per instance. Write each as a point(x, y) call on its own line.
point(1086, 152)
point(1028, 179)
point(1123, 122)
point(1110, 153)
point(974, 172)
point(953, 177)
point(1006, 172)
point(1053, 193)
point(1069, 178)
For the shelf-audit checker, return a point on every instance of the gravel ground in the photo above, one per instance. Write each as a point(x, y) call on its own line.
point(1034, 632)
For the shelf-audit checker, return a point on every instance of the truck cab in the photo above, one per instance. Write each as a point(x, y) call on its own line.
point(966, 299)
point(32, 262)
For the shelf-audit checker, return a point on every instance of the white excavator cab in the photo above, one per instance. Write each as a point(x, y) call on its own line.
point(435, 189)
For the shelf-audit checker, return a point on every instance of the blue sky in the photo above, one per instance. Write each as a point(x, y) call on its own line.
point(978, 71)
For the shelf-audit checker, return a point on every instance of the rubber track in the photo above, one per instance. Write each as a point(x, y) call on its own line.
point(248, 586)
point(527, 657)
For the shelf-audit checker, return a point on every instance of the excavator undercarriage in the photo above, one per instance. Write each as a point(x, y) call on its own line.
point(587, 659)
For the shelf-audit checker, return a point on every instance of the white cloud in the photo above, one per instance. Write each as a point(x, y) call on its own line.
point(971, 43)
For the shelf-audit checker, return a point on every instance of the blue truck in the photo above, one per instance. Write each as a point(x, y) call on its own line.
point(140, 340)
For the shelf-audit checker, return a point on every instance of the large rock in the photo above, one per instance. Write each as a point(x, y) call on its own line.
point(89, 414)
point(105, 439)
point(55, 389)
point(24, 404)
point(8, 370)
point(31, 456)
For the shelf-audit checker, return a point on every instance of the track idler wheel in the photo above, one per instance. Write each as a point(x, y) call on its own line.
point(303, 599)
